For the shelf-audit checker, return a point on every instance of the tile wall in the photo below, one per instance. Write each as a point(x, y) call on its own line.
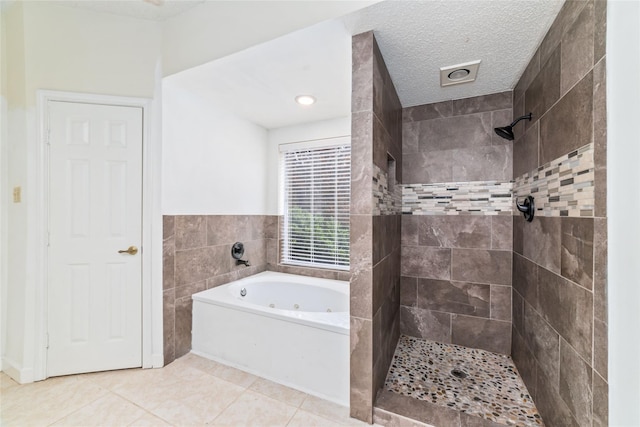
point(376, 170)
point(456, 269)
point(559, 262)
point(197, 256)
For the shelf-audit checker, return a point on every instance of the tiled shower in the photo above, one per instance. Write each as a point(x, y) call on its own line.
point(472, 272)
point(436, 252)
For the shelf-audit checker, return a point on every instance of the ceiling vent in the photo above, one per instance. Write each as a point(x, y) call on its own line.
point(460, 73)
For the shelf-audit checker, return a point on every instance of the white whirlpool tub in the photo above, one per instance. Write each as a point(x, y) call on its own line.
point(293, 330)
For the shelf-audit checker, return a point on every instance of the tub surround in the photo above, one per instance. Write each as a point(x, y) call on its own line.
point(290, 329)
point(559, 263)
point(376, 172)
point(456, 227)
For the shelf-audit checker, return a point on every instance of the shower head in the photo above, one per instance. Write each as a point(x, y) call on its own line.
point(507, 131)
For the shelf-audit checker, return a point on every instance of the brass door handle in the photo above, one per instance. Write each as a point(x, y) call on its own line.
point(131, 251)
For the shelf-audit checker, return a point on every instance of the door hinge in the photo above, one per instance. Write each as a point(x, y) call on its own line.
point(47, 340)
point(48, 137)
point(48, 238)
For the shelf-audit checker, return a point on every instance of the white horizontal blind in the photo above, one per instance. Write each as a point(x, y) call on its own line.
point(317, 189)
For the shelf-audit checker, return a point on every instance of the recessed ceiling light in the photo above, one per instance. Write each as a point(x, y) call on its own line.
point(305, 99)
point(460, 73)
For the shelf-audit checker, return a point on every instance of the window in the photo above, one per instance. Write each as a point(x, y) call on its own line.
point(317, 180)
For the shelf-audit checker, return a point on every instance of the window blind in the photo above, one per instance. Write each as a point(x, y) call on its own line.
point(317, 185)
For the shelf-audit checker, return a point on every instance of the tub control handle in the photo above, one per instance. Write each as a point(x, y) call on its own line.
point(243, 292)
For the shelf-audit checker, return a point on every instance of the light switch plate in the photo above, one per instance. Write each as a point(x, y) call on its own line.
point(17, 194)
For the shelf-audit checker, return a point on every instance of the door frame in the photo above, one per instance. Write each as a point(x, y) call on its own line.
point(152, 352)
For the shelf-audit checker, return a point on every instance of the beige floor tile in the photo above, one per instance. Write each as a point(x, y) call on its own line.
point(6, 382)
point(45, 402)
point(307, 419)
point(197, 401)
point(254, 409)
point(330, 410)
point(109, 410)
point(279, 392)
point(149, 420)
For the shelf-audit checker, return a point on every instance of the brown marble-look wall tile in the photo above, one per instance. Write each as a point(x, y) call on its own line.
point(420, 113)
point(568, 125)
point(191, 231)
point(600, 402)
point(168, 325)
point(183, 326)
point(483, 164)
point(428, 167)
point(577, 49)
point(517, 304)
point(422, 261)
point(541, 242)
point(518, 234)
point(413, 409)
point(410, 230)
point(577, 250)
point(544, 90)
point(361, 398)
point(487, 334)
point(427, 324)
point(455, 231)
point(600, 348)
point(481, 266)
point(362, 72)
point(500, 118)
point(361, 163)
point(168, 253)
point(600, 269)
point(455, 297)
point(575, 384)
point(501, 302)
point(410, 137)
point(468, 131)
point(600, 136)
point(361, 266)
point(567, 15)
point(551, 406)
point(502, 232)
point(525, 362)
point(600, 30)
point(480, 104)
point(195, 265)
point(525, 279)
point(543, 341)
point(568, 308)
point(525, 152)
point(409, 291)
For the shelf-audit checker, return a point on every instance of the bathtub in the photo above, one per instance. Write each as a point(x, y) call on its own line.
point(293, 330)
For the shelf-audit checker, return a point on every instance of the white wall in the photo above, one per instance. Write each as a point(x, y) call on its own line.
point(304, 132)
point(57, 48)
point(623, 190)
point(213, 161)
point(216, 29)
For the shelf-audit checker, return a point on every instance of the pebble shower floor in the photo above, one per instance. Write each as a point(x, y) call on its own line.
point(473, 381)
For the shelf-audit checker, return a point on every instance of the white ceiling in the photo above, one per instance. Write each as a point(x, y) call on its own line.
point(154, 10)
point(416, 38)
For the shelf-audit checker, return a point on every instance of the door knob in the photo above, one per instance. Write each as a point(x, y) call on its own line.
point(131, 251)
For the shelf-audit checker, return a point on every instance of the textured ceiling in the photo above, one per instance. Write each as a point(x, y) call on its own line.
point(416, 38)
point(154, 10)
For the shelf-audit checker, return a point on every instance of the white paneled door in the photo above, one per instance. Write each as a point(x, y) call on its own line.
point(95, 231)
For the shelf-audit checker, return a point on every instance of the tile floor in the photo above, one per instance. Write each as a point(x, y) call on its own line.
point(191, 391)
point(477, 382)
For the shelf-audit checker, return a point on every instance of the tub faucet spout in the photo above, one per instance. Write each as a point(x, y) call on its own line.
point(243, 261)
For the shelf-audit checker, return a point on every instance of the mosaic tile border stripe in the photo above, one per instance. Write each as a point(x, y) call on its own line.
point(386, 201)
point(458, 198)
point(562, 187)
